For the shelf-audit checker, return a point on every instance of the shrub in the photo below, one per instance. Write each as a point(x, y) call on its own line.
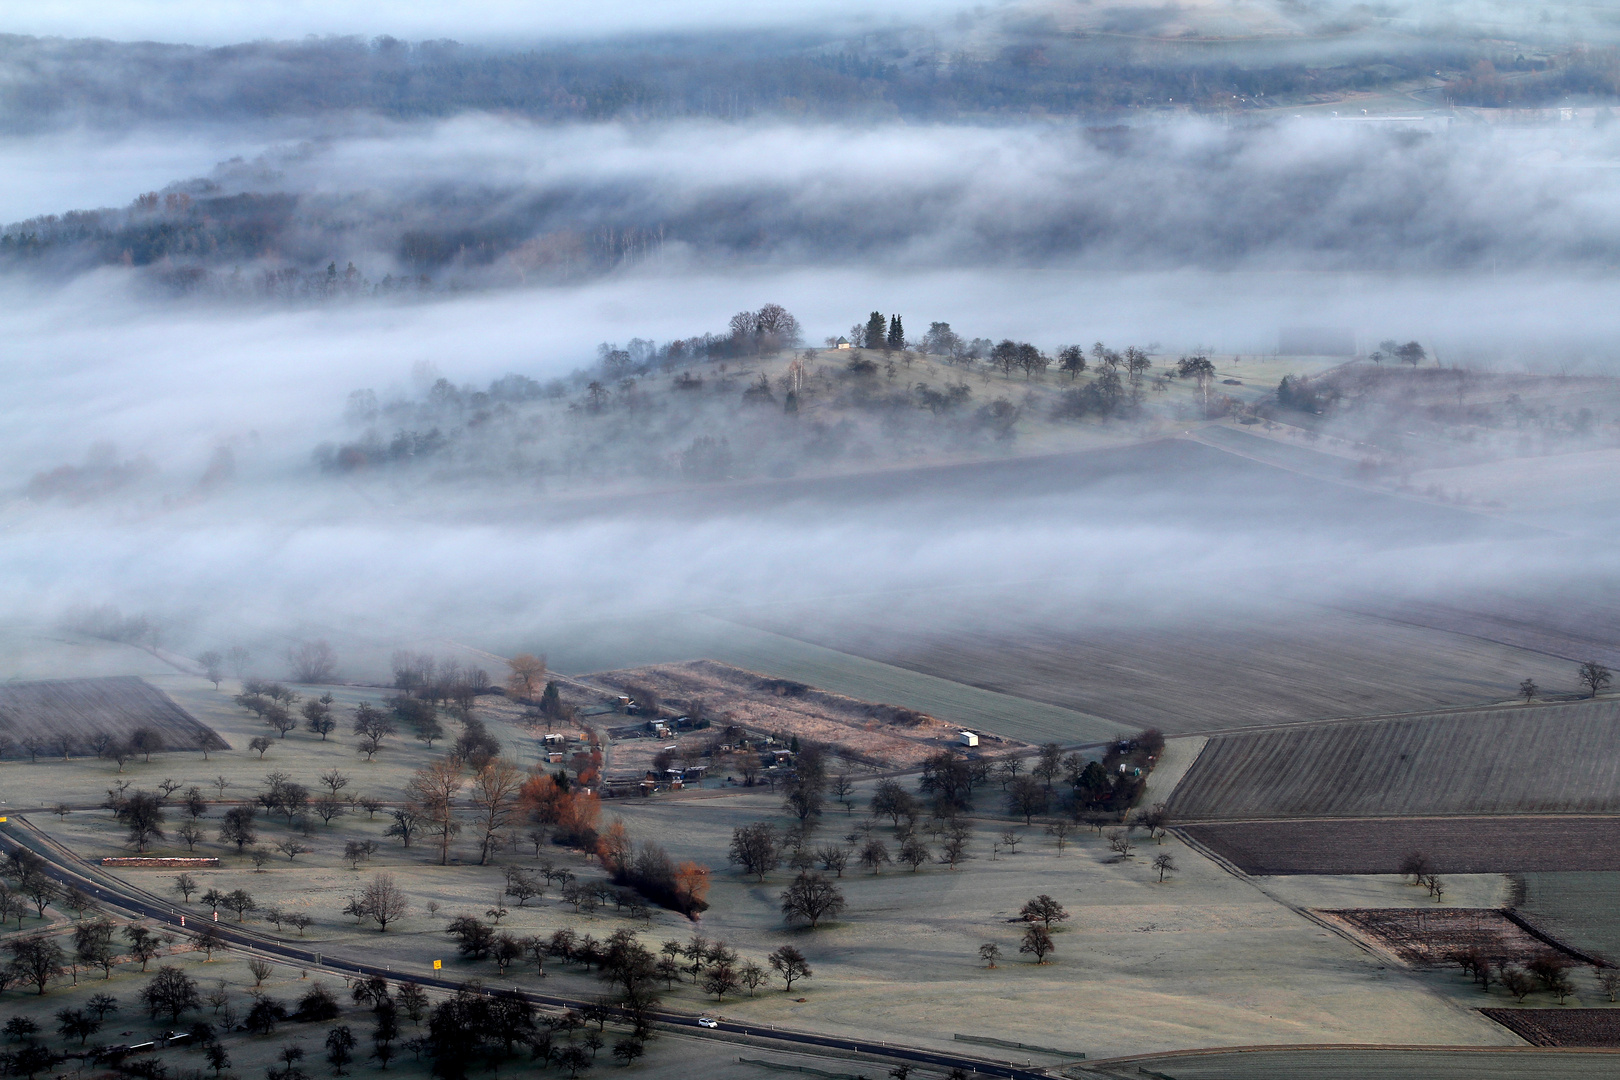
point(317, 1005)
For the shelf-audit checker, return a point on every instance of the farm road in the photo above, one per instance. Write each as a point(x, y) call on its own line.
point(69, 869)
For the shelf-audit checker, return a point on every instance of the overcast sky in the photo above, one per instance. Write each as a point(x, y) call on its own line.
point(217, 22)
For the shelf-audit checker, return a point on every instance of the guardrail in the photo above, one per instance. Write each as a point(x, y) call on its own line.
point(985, 1040)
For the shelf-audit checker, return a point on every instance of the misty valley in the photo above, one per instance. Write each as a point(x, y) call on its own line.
point(1040, 540)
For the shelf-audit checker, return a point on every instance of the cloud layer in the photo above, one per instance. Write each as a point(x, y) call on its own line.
point(494, 199)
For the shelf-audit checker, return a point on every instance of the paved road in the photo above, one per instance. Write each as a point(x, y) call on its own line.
point(68, 869)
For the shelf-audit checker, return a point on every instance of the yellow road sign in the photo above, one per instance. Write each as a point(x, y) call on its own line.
point(437, 964)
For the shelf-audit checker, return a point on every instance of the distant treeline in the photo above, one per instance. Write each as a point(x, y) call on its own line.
point(721, 76)
point(189, 239)
point(1521, 83)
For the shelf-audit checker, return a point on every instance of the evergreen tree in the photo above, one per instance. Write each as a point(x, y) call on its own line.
point(551, 701)
point(897, 335)
point(876, 331)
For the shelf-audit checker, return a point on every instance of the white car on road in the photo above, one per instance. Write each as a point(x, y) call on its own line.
point(708, 1022)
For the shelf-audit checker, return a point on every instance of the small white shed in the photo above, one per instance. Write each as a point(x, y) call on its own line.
point(969, 738)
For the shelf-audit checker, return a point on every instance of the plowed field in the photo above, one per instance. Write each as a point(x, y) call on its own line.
point(1561, 1027)
point(1427, 937)
point(1377, 845)
point(78, 708)
point(1374, 1063)
point(1551, 759)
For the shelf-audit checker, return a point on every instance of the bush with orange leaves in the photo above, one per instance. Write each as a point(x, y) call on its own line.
point(648, 869)
point(571, 814)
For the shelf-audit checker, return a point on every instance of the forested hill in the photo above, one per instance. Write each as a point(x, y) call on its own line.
point(44, 82)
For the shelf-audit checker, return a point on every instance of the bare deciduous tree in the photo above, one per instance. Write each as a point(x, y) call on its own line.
point(495, 797)
point(790, 963)
point(1416, 864)
point(432, 792)
point(1038, 942)
point(1044, 910)
point(811, 897)
point(1595, 677)
point(834, 857)
point(720, 980)
point(312, 662)
point(292, 847)
point(1516, 981)
point(874, 854)
point(1027, 797)
point(756, 849)
point(213, 665)
point(328, 807)
point(841, 788)
point(384, 901)
point(528, 674)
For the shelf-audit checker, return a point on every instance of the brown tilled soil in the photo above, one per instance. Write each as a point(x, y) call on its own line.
point(1561, 1027)
point(79, 708)
point(1453, 845)
point(1427, 938)
point(879, 734)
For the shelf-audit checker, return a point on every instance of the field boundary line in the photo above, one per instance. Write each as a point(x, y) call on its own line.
point(1197, 436)
point(1392, 1047)
point(1516, 647)
point(1512, 915)
point(1377, 718)
point(782, 1066)
point(1312, 819)
point(1232, 868)
point(985, 1040)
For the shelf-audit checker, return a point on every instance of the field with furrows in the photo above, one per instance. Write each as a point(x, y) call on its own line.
point(1453, 845)
point(78, 709)
point(1545, 759)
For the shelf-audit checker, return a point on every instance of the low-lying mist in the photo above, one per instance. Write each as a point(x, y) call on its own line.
point(481, 201)
point(216, 519)
point(173, 369)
